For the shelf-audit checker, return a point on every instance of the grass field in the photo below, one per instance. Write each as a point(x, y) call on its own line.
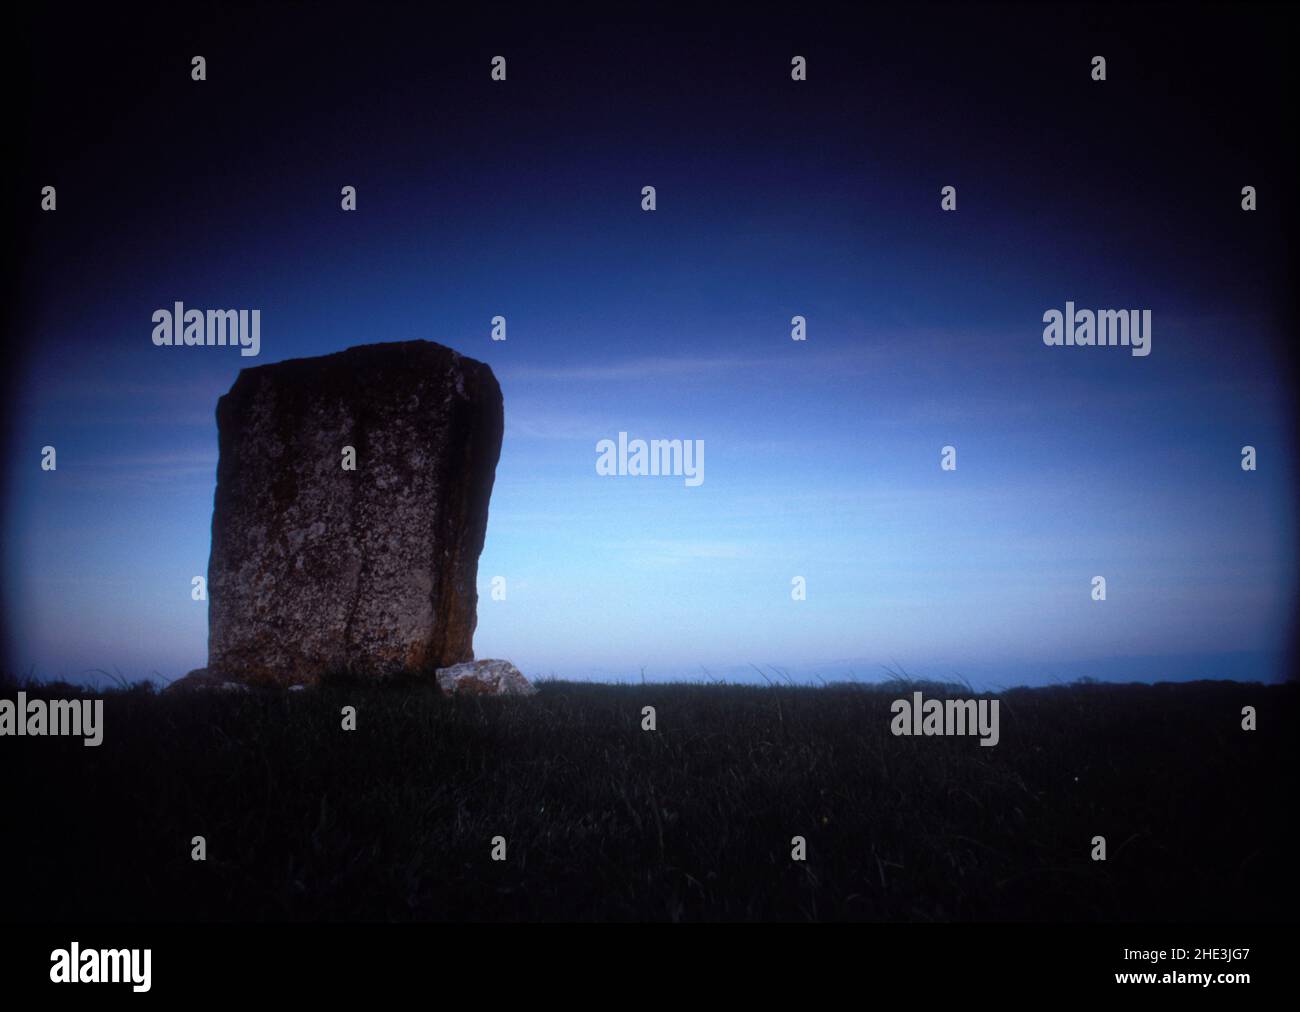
point(693, 821)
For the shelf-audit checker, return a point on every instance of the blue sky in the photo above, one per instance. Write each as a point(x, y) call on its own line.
point(822, 460)
point(822, 457)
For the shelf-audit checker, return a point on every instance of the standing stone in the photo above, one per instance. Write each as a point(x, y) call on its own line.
point(371, 571)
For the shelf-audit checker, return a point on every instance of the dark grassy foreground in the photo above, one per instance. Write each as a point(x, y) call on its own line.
point(606, 821)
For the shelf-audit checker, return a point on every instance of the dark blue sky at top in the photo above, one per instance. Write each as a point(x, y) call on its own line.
point(774, 199)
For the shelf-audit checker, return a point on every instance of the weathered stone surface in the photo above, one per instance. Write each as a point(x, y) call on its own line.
point(203, 680)
point(484, 678)
point(318, 569)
